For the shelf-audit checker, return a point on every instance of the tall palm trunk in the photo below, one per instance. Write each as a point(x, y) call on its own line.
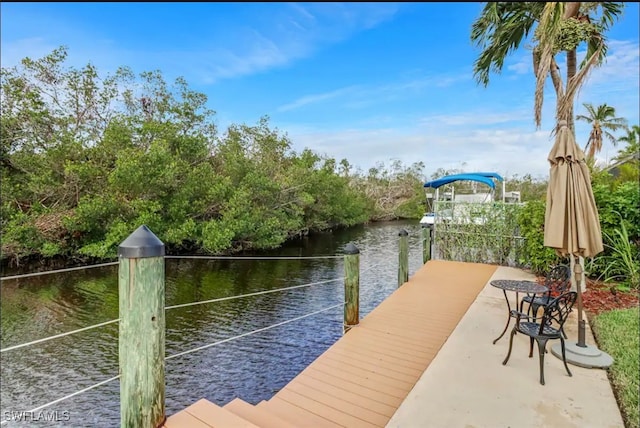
point(571, 10)
point(571, 72)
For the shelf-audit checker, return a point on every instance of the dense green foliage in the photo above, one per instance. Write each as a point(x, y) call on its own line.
point(619, 209)
point(480, 232)
point(86, 159)
point(617, 333)
point(535, 254)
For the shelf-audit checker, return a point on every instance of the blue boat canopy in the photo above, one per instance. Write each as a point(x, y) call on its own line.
point(481, 177)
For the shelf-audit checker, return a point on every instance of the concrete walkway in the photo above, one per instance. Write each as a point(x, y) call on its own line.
point(467, 386)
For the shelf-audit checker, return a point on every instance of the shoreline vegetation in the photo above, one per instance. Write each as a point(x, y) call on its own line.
point(87, 158)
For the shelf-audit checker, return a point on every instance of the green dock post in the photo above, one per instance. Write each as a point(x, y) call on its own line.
point(142, 330)
point(426, 244)
point(351, 287)
point(403, 258)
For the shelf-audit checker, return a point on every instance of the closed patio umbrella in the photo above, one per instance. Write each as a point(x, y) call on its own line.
point(572, 228)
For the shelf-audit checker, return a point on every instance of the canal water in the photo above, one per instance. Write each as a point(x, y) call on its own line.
point(252, 368)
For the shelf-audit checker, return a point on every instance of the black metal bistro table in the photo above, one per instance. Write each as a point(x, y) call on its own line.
point(519, 286)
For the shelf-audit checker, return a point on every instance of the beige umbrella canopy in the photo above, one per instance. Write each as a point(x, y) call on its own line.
point(572, 225)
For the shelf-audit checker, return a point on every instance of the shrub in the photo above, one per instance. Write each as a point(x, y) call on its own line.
point(534, 254)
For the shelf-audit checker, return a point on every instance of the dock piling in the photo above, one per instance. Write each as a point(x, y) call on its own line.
point(403, 257)
point(426, 244)
point(351, 287)
point(141, 343)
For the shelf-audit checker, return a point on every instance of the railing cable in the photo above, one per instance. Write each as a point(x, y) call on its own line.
point(257, 293)
point(256, 257)
point(11, 348)
point(253, 332)
point(184, 353)
point(367, 269)
point(89, 388)
point(28, 275)
point(34, 342)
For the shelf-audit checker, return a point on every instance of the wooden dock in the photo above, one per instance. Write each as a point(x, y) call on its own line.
point(362, 379)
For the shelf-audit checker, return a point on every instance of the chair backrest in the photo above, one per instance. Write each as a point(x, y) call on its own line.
point(558, 310)
point(558, 280)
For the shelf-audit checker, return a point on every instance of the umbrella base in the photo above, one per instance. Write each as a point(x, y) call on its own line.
point(589, 357)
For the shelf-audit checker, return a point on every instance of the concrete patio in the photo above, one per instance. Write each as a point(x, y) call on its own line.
point(467, 386)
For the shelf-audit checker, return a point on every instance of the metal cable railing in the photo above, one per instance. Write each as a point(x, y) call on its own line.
point(220, 299)
point(28, 275)
point(199, 348)
point(89, 388)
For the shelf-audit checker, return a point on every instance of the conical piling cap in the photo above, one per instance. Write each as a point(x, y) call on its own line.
point(142, 243)
point(350, 248)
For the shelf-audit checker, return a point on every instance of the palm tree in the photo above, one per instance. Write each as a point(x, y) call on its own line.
point(632, 147)
point(602, 120)
point(563, 27)
point(627, 161)
point(559, 27)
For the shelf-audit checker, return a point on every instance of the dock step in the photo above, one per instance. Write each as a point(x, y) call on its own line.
point(296, 415)
point(203, 410)
point(257, 415)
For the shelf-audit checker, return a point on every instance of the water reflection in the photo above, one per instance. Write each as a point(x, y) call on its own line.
point(252, 368)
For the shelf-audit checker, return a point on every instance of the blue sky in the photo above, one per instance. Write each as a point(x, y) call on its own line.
point(369, 82)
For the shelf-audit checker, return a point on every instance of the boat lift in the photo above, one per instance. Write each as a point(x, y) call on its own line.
point(476, 177)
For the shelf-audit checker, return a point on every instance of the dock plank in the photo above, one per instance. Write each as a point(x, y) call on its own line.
point(315, 405)
point(303, 418)
point(358, 398)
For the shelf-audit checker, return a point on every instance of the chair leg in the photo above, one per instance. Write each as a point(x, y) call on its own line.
point(530, 347)
point(563, 333)
point(542, 345)
point(564, 357)
point(534, 309)
point(513, 333)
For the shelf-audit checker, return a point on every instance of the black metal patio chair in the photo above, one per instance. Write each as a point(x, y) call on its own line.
point(542, 329)
point(558, 281)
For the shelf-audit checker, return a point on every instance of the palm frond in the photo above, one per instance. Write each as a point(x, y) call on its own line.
point(500, 30)
point(584, 118)
point(547, 33)
point(574, 84)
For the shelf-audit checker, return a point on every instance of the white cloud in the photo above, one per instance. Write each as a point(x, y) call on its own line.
point(622, 64)
point(361, 96)
point(290, 32)
point(34, 47)
point(304, 13)
point(476, 118)
point(522, 66)
point(507, 150)
point(314, 25)
point(315, 98)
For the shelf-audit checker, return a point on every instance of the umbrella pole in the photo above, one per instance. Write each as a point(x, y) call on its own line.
point(578, 271)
